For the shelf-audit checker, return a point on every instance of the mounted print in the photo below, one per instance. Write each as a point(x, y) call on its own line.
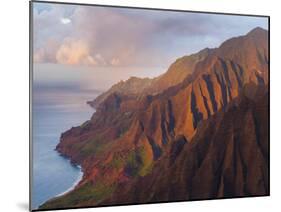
point(137, 105)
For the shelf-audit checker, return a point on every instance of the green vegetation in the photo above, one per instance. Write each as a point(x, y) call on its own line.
point(133, 163)
point(139, 162)
point(94, 146)
point(147, 163)
point(85, 124)
point(86, 193)
point(117, 162)
point(146, 169)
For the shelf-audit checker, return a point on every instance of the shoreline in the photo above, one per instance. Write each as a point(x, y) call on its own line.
point(58, 164)
point(75, 183)
point(78, 166)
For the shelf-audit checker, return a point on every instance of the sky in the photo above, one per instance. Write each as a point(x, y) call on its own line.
point(77, 35)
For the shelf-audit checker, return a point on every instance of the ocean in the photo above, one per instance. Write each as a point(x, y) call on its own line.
point(60, 93)
point(55, 111)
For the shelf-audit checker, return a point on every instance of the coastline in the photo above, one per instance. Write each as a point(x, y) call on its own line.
point(68, 160)
point(72, 163)
point(75, 183)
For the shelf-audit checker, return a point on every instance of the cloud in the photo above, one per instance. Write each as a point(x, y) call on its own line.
point(74, 52)
point(45, 54)
point(65, 20)
point(98, 36)
point(115, 62)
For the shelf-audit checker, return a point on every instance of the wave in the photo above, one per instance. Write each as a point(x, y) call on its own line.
point(76, 182)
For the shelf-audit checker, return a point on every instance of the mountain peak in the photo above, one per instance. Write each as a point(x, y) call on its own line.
point(257, 31)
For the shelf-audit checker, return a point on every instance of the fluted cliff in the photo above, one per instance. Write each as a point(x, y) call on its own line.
point(199, 131)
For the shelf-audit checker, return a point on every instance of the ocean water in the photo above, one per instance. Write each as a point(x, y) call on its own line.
point(55, 110)
point(60, 93)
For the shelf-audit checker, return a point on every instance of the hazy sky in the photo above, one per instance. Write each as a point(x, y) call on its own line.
point(98, 36)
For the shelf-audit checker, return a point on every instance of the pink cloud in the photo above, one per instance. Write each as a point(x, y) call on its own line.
point(74, 52)
point(100, 36)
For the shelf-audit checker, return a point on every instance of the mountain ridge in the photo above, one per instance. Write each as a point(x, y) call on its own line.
point(131, 137)
point(181, 68)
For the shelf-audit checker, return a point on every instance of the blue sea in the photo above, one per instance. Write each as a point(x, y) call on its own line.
point(60, 93)
point(55, 110)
